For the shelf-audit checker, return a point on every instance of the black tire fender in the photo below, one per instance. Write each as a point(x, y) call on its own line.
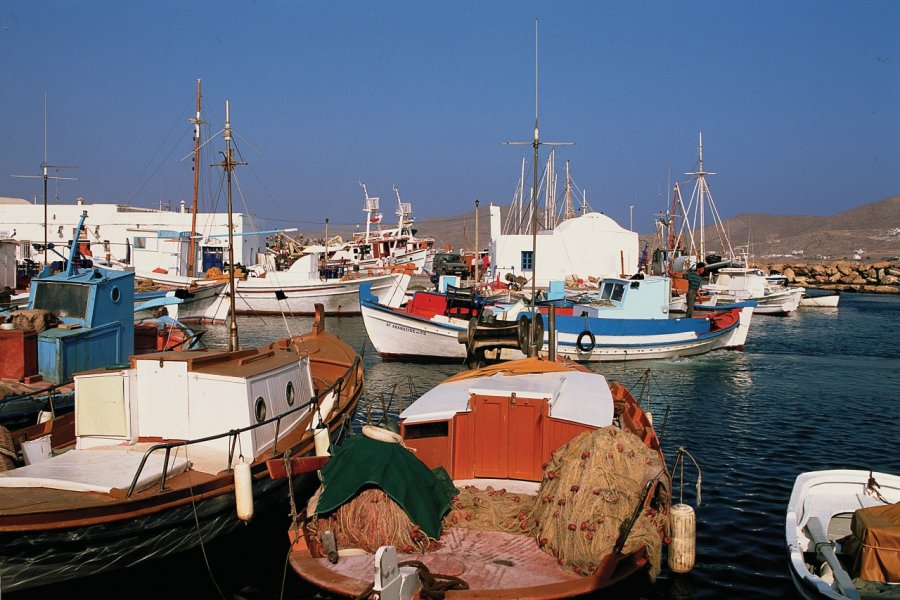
point(587, 333)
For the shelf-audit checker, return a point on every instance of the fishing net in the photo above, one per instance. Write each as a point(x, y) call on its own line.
point(590, 487)
point(7, 450)
point(371, 520)
point(491, 510)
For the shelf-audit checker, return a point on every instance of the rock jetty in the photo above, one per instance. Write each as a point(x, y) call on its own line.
point(843, 276)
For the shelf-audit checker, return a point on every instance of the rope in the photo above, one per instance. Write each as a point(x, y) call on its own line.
point(434, 585)
point(679, 462)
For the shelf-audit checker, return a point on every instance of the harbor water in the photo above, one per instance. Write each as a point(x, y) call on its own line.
point(819, 389)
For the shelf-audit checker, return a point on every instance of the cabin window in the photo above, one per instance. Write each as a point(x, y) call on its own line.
point(617, 292)
point(289, 393)
point(140, 242)
point(527, 260)
point(260, 410)
point(62, 299)
point(427, 430)
point(115, 295)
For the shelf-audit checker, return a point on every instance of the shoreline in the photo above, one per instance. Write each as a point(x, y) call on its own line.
point(876, 277)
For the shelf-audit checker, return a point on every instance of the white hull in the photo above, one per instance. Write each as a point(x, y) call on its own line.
point(258, 295)
point(820, 495)
point(399, 336)
point(824, 301)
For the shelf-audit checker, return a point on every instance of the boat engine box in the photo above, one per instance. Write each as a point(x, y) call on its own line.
point(18, 354)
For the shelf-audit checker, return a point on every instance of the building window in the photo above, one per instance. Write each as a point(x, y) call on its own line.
point(527, 260)
point(140, 242)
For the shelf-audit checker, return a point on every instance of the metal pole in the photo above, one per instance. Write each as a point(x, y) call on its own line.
point(45, 215)
point(229, 165)
point(551, 325)
point(477, 258)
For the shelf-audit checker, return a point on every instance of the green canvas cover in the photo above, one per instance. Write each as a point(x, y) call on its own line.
point(361, 462)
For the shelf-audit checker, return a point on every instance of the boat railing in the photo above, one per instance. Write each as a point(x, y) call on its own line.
point(337, 387)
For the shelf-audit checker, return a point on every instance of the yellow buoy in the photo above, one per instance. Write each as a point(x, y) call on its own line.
point(682, 548)
point(243, 490)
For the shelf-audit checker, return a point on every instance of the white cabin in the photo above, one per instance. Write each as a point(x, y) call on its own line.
point(191, 395)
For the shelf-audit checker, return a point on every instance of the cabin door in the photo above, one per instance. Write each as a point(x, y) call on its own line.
point(508, 437)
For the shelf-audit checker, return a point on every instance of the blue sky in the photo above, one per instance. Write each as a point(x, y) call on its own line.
point(798, 101)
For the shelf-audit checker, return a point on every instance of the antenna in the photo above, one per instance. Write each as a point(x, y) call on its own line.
point(536, 143)
point(46, 176)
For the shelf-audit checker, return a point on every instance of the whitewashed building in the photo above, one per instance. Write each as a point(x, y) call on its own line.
point(143, 238)
point(588, 245)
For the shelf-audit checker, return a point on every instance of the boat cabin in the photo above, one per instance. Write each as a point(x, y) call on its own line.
point(504, 426)
point(646, 298)
point(95, 308)
point(459, 303)
point(205, 393)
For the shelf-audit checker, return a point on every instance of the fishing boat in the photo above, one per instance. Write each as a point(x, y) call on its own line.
point(167, 451)
point(736, 284)
point(629, 319)
point(820, 299)
point(392, 247)
point(297, 290)
point(429, 326)
point(842, 531)
point(496, 478)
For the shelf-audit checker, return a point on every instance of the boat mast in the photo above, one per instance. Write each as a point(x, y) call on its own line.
point(197, 121)
point(228, 164)
point(702, 193)
point(536, 143)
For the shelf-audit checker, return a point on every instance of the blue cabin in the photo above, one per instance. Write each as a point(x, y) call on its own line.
point(96, 311)
point(646, 298)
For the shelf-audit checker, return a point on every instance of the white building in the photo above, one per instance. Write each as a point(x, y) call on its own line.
point(588, 245)
point(143, 238)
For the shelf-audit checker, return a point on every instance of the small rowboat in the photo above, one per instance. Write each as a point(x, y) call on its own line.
point(843, 534)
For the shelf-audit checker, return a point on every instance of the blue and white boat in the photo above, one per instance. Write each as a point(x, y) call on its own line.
point(629, 319)
point(625, 319)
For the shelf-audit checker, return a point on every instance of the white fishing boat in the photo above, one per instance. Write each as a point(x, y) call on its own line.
point(737, 284)
point(378, 248)
point(842, 531)
point(820, 299)
point(297, 290)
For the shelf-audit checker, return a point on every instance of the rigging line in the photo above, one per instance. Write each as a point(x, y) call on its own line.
point(176, 124)
point(156, 170)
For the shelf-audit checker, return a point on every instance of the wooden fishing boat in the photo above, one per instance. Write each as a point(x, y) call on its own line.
point(820, 299)
point(544, 457)
point(843, 534)
point(168, 450)
point(146, 474)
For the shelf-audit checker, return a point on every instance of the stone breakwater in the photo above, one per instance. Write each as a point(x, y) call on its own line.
point(843, 276)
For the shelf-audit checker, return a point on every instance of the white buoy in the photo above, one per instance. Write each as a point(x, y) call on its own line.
point(243, 490)
point(682, 548)
point(322, 441)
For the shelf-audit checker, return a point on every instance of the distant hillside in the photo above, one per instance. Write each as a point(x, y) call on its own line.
point(871, 230)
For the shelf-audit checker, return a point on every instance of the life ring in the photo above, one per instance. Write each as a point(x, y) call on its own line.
point(586, 347)
point(381, 434)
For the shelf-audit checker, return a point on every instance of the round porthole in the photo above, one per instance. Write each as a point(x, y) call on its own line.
point(115, 294)
point(289, 393)
point(260, 410)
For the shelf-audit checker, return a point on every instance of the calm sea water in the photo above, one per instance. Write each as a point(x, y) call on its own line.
point(817, 390)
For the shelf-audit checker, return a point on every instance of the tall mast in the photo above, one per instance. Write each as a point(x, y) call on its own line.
point(228, 163)
point(536, 143)
point(702, 193)
point(197, 121)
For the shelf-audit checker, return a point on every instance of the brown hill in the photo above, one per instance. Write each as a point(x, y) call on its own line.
point(870, 231)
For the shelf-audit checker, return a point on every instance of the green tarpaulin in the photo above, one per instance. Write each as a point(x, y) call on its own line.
point(362, 462)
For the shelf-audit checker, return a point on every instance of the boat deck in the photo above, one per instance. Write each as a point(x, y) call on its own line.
point(496, 564)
